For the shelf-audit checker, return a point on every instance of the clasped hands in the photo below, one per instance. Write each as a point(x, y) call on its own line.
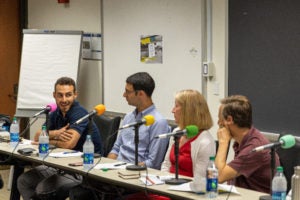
point(62, 134)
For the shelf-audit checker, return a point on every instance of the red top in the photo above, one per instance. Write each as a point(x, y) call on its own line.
point(185, 163)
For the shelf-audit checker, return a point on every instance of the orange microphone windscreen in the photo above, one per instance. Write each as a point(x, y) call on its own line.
point(100, 109)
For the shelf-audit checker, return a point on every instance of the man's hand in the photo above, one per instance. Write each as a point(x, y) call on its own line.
point(112, 156)
point(142, 164)
point(65, 136)
point(56, 134)
point(36, 136)
point(224, 135)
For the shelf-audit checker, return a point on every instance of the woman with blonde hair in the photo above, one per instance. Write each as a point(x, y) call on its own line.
point(194, 151)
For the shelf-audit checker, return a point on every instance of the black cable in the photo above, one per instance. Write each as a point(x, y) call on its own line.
point(87, 173)
point(29, 124)
point(234, 179)
point(49, 151)
point(1, 182)
point(237, 173)
point(231, 186)
point(145, 185)
point(46, 156)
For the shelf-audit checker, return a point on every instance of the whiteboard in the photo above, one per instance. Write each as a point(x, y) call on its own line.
point(46, 56)
point(179, 23)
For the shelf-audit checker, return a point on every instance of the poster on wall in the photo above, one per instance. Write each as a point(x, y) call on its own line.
point(151, 48)
point(91, 46)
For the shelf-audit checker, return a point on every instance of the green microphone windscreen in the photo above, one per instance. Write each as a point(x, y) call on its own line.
point(288, 141)
point(192, 131)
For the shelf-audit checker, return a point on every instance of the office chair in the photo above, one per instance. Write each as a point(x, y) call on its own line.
point(108, 128)
point(217, 147)
point(289, 158)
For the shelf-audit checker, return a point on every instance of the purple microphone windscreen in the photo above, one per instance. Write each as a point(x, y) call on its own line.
point(52, 107)
point(192, 131)
point(288, 141)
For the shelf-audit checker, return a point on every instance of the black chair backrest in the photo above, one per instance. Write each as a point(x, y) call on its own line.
point(108, 128)
point(217, 147)
point(289, 158)
point(5, 121)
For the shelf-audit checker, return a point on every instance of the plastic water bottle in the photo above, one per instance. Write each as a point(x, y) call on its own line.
point(88, 153)
point(296, 183)
point(279, 185)
point(43, 142)
point(14, 133)
point(211, 179)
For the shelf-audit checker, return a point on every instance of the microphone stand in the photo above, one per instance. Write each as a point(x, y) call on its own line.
point(269, 197)
point(47, 122)
point(176, 180)
point(18, 169)
point(90, 125)
point(136, 167)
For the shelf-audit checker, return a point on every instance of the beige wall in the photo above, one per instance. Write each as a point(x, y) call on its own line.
point(82, 15)
point(77, 15)
point(86, 15)
point(219, 58)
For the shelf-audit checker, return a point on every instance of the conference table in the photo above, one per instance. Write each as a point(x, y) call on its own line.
point(111, 176)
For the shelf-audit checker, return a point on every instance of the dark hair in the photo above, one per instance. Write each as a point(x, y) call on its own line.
point(65, 81)
point(142, 81)
point(239, 107)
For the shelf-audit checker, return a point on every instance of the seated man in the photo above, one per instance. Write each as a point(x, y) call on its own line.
point(138, 90)
point(43, 181)
point(251, 170)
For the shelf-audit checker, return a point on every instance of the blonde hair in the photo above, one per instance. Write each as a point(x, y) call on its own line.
point(194, 110)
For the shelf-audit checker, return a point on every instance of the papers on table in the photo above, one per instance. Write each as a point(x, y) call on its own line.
point(116, 165)
point(151, 179)
point(221, 187)
point(4, 134)
point(25, 142)
point(185, 187)
point(227, 188)
point(66, 154)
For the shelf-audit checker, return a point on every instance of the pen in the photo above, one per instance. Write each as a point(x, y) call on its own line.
point(120, 164)
point(148, 179)
point(70, 152)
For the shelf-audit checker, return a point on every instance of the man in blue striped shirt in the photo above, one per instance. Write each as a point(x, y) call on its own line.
point(151, 151)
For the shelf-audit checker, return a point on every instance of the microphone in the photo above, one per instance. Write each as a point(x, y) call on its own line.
point(147, 120)
point(190, 131)
point(286, 141)
point(99, 109)
point(49, 108)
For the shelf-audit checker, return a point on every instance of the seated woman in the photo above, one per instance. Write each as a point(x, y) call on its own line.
point(190, 109)
point(194, 152)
